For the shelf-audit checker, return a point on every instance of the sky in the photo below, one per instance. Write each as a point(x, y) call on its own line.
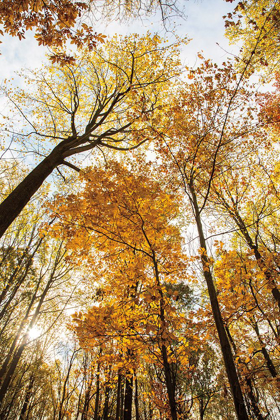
point(204, 24)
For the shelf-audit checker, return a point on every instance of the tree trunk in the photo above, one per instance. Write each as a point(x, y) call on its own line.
point(201, 408)
point(64, 391)
point(136, 401)
point(28, 394)
point(122, 401)
point(169, 383)
point(151, 411)
point(260, 261)
point(253, 401)
point(10, 372)
point(18, 353)
point(86, 405)
point(25, 262)
point(265, 353)
point(17, 200)
point(118, 409)
point(5, 365)
point(128, 398)
point(96, 409)
point(169, 380)
point(223, 338)
point(106, 403)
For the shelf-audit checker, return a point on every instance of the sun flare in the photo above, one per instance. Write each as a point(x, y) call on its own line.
point(34, 332)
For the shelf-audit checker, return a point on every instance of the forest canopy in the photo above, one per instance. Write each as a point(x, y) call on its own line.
point(139, 253)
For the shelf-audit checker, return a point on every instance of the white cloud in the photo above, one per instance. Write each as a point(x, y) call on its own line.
point(204, 24)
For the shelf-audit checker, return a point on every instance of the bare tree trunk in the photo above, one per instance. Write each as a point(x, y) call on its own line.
point(128, 398)
point(118, 409)
point(106, 403)
point(96, 409)
point(27, 399)
point(269, 363)
point(63, 398)
point(169, 380)
point(136, 401)
point(253, 402)
point(17, 200)
point(223, 338)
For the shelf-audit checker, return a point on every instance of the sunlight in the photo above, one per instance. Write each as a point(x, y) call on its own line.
point(34, 332)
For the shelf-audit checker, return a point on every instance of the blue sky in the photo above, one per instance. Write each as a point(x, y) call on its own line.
point(204, 24)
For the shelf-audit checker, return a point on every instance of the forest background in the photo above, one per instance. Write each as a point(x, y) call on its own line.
point(139, 218)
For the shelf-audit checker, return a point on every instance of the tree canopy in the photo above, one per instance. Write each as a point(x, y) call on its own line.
point(139, 253)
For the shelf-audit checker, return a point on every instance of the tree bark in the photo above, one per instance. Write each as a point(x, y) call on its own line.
point(169, 383)
point(259, 258)
point(258, 415)
point(169, 380)
point(136, 401)
point(269, 362)
point(128, 398)
point(106, 403)
point(28, 394)
point(118, 409)
point(11, 207)
point(223, 338)
point(96, 409)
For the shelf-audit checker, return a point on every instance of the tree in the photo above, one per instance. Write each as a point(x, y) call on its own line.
point(251, 323)
point(128, 219)
point(200, 136)
point(256, 24)
point(57, 21)
point(108, 95)
point(45, 280)
point(252, 204)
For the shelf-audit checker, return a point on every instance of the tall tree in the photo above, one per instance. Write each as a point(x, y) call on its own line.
point(130, 222)
point(201, 134)
point(108, 95)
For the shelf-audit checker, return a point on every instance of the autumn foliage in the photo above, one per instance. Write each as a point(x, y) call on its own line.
point(139, 257)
